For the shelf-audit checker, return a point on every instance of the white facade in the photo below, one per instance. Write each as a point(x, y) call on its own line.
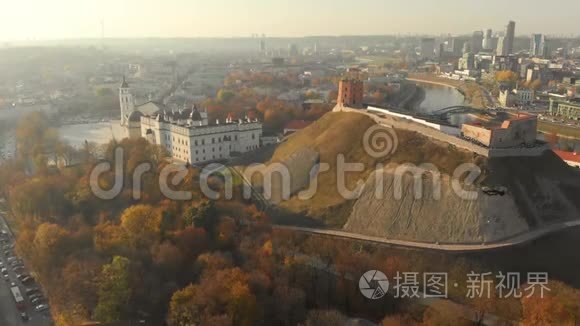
point(195, 144)
point(186, 134)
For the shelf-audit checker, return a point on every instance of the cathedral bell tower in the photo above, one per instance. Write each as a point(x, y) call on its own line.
point(125, 101)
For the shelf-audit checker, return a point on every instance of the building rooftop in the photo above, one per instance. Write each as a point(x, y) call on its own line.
point(568, 156)
point(505, 124)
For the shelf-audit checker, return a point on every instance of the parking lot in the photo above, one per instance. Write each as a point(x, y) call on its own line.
point(15, 274)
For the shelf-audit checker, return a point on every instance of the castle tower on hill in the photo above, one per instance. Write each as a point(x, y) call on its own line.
point(350, 93)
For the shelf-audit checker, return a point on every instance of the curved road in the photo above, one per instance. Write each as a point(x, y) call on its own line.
point(458, 248)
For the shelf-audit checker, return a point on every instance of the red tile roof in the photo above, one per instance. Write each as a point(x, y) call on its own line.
point(568, 156)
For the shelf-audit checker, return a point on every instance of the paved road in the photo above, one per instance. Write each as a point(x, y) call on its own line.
point(9, 314)
point(459, 248)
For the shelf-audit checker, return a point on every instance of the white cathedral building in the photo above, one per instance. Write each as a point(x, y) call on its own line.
point(186, 133)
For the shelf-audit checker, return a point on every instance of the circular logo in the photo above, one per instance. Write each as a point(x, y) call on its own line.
point(373, 284)
point(380, 141)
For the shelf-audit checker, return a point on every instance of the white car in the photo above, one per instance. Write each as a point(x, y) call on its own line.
point(41, 307)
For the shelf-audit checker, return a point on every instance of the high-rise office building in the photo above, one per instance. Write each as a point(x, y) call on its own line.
point(538, 47)
point(427, 48)
point(476, 41)
point(456, 46)
point(501, 46)
point(466, 48)
point(467, 62)
point(293, 50)
point(510, 31)
point(487, 42)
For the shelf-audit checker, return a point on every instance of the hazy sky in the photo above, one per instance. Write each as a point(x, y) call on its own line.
point(57, 19)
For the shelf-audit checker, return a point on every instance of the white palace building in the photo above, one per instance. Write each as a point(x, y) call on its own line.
point(186, 133)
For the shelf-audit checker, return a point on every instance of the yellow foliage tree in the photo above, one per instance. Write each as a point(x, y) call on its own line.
point(142, 224)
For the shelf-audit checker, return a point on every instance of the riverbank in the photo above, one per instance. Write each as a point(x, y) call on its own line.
point(472, 91)
point(408, 98)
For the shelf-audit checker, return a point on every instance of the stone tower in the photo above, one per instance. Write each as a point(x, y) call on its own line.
point(125, 101)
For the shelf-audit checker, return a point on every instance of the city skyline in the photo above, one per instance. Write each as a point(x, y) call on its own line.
point(67, 19)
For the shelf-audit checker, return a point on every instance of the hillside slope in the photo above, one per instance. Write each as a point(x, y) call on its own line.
point(342, 133)
point(526, 192)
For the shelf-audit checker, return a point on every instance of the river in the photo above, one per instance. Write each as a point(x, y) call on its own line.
point(99, 132)
point(439, 97)
point(74, 134)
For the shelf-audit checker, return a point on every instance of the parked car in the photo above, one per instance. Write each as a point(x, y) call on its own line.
point(18, 269)
point(30, 291)
point(35, 295)
point(37, 300)
point(16, 262)
point(41, 307)
point(27, 280)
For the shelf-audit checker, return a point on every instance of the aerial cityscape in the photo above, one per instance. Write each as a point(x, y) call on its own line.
point(354, 163)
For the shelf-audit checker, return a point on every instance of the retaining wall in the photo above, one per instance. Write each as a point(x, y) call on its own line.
point(442, 133)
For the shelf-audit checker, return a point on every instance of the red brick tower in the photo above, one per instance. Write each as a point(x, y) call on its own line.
point(350, 93)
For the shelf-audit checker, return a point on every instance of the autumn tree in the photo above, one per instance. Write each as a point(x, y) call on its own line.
point(49, 246)
point(325, 317)
point(35, 136)
point(202, 216)
point(546, 310)
point(224, 294)
point(108, 237)
point(507, 76)
point(290, 308)
point(224, 95)
point(393, 320)
point(183, 310)
point(167, 256)
point(141, 224)
point(191, 241)
point(113, 290)
point(535, 84)
point(445, 313)
point(41, 197)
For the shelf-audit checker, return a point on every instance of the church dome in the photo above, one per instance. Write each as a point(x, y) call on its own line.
point(135, 116)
